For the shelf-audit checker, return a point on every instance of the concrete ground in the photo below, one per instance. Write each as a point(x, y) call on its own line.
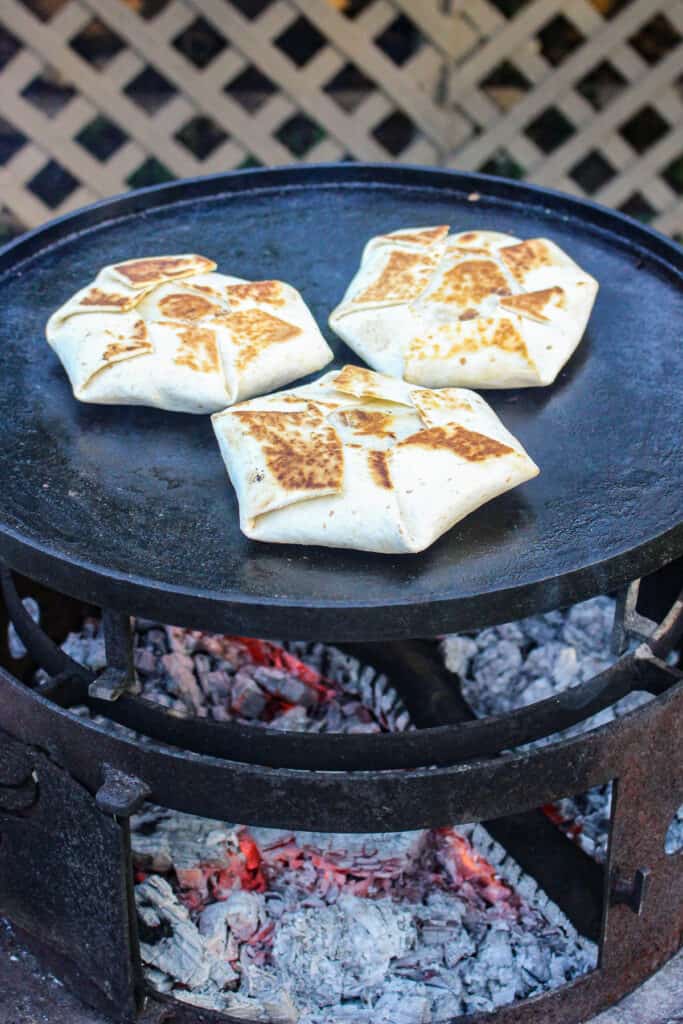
point(28, 996)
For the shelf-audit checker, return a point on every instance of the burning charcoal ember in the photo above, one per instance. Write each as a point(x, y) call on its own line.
point(325, 863)
point(585, 818)
point(294, 687)
point(339, 927)
point(179, 668)
point(247, 698)
point(466, 868)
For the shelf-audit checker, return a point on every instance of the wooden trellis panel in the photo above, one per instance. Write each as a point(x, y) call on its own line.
point(97, 96)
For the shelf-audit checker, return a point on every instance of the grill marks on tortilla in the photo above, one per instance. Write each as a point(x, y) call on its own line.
point(356, 380)
point(420, 236)
point(113, 300)
point(134, 344)
point(467, 444)
point(302, 452)
point(294, 454)
point(507, 337)
point(198, 349)
point(270, 292)
point(255, 330)
point(404, 277)
point(486, 332)
point(536, 305)
point(362, 383)
point(470, 282)
point(189, 323)
point(205, 289)
point(155, 270)
point(430, 404)
point(378, 464)
point(526, 256)
point(504, 336)
point(185, 306)
point(368, 424)
point(472, 292)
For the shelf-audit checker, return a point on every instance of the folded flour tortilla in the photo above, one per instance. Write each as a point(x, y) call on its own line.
point(361, 460)
point(474, 309)
point(169, 332)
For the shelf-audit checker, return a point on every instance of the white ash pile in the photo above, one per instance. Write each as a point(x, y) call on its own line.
point(510, 666)
point(297, 687)
point(399, 928)
point(507, 667)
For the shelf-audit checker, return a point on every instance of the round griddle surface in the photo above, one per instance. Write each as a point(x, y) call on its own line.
point(132, 507)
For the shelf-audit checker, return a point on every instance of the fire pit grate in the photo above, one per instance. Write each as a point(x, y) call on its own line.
point(472, 931)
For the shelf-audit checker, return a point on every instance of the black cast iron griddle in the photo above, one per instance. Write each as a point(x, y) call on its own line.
point(132, 508)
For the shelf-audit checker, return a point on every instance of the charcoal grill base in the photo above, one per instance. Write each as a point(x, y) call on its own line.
point(111, 774)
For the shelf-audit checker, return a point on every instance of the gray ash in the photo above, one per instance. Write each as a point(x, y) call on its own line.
point(321, 928)
point(510, 666)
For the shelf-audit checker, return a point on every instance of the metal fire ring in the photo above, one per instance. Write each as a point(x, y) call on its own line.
point(639, 753)
point(450, 773)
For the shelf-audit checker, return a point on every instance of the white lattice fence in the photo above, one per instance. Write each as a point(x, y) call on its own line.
point(97, 96)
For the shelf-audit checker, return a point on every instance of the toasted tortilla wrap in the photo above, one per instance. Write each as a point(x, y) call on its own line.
point(361, 460)
point(475, 309)
point(170, 332)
